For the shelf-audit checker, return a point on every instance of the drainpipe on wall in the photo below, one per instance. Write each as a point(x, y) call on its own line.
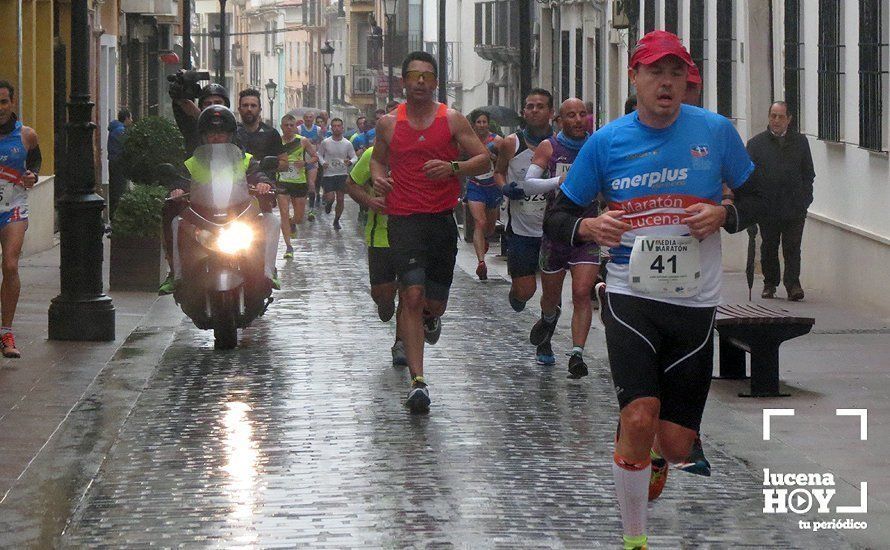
point(20, 27)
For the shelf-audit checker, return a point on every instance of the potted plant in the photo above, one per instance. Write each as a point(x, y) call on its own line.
point(136, 259)
point(151, 141)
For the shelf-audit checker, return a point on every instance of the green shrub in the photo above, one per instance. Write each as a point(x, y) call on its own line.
point(151, 141)
point(138, 213)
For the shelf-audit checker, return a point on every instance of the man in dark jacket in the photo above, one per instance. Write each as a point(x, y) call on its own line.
point(117, 179)
point(783, 156)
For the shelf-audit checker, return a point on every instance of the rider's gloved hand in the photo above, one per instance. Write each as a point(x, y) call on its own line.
point(513, 192)
point(176, 90)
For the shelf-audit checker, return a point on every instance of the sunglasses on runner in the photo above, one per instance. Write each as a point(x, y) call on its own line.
point(414, 76)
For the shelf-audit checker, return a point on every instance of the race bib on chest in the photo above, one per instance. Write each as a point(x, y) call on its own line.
point(665, 267)
point(6, 190)
point(291, 172)
point(562, 168)
point(337, 163)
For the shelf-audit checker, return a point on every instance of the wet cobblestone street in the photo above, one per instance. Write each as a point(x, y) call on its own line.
point(298, 438)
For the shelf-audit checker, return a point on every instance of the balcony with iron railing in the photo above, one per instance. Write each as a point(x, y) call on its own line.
point(401, 43)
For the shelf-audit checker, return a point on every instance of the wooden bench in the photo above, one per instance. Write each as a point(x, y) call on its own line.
point(760, 331)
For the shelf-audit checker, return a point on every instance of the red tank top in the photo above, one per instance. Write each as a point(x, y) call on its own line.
point(409, 150)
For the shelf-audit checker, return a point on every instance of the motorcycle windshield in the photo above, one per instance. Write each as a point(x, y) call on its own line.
point(218, 173)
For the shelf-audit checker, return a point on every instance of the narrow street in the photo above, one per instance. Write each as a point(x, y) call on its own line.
point(299, 439)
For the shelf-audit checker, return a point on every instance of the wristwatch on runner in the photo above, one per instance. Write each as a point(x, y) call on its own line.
point(455, 167)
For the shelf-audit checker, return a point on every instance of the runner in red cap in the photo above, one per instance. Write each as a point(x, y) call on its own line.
point(661, 170)
point(693, 87)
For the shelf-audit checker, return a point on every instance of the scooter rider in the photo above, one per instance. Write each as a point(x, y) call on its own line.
point(216, 125)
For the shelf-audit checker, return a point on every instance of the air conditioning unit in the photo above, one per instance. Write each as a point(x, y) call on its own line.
point(620, 18)
point(363, 84)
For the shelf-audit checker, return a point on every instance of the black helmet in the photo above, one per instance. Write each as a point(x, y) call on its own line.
point(214, 89)
point(216, 119)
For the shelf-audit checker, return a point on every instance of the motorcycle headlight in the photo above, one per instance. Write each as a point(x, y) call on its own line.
point(234, 238)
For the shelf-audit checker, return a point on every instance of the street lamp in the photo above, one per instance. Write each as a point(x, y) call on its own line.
point(271, 92)
point(81, 311)
point(216, 41)
point(327, 59)
point(389, 8)
point(223, 38)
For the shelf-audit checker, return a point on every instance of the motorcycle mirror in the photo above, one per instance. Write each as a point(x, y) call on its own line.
point(269, 164)
point(167, 171)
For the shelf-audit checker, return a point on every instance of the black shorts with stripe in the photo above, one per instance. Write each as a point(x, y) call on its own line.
point(660, 350)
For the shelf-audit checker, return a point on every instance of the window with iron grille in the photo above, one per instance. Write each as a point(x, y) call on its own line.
point(793, 58)
point(871, 75)
point(598, 76)
point(649, 16)
point(565, 88)
point(480, 20)
point(671, 15)
point(830, 70)
point(255, 61)
point(697, 36)
point(579, 64)
point(725, 43)
point(489, 23)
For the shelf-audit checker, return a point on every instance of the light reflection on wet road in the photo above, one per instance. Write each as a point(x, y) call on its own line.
point(298, 438)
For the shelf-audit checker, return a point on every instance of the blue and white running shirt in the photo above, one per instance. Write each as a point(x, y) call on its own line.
point(654, 175)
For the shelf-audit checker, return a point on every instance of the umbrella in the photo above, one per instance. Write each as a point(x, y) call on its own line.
point(502, 115)
point(749, 265)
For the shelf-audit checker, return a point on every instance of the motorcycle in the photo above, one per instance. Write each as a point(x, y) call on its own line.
point(220, 249)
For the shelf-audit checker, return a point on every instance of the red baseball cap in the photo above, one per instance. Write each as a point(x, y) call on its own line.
point(693, 76)
point(658, 44)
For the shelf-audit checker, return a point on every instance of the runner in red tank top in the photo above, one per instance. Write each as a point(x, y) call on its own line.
point(419, 144)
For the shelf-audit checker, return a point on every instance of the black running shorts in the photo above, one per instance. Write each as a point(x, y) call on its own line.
point(295, 190)
point(660, 350)
point(380, 266)
point(522, 255)
point(424, 249)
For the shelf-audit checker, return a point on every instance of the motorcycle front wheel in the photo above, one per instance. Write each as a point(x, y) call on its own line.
point(225, 332)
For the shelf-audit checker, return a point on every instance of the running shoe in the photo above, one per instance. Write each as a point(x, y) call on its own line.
point(311, 216)
point(696, 463)
point(542, 331)
point(399, 359)
point(515, 303)
point(168, 286)
point(418, 401)
point(544, 355)
point(337, 226)
point(386, 311)
point(577, 366)
point(289, 254)
point(482, 271)
point(769, 292)
point(328, 206)
point(636, 543)
point(432, 329)
point(9, 349)
point(276, 282)
point(659, 475)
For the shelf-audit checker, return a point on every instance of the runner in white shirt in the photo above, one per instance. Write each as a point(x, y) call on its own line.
point(335, 154)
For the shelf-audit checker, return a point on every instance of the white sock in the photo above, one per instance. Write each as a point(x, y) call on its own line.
point(632, 490)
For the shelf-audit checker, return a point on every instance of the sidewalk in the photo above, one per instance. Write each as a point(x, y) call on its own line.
point(843, 363)
point(53, 379)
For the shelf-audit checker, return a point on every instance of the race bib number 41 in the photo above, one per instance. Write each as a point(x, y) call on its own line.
point(665, 267)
